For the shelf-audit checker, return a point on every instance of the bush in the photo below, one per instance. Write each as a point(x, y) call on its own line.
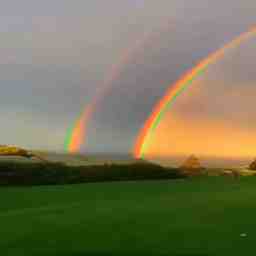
point(17, 173)
point(253, 166)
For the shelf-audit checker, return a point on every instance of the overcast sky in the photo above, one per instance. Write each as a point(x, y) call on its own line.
point(56, 54)
point(214, 116)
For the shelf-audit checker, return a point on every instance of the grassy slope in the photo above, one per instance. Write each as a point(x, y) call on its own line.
point(182, 217)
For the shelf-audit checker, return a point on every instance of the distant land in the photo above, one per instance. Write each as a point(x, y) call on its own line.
point(120, 158)
point(209, 162)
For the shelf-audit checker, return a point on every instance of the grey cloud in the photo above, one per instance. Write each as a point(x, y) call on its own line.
point(55, 55)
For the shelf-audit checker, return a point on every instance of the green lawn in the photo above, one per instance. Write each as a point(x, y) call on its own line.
point(194, 217)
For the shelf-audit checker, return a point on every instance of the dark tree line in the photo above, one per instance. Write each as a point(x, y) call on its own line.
point(17, 173)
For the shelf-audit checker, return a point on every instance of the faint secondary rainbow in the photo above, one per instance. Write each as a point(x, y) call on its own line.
point(76, 135)
point(178, 87)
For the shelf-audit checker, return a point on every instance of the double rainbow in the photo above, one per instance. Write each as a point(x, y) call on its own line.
point(76, 135)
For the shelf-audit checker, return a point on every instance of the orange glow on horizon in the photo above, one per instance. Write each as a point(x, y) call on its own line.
point(211, 138)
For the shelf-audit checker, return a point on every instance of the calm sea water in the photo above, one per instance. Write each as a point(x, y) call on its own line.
point(212, 162)
point(174, 161)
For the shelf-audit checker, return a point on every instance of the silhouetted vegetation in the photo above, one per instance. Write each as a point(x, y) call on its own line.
point(18, 173)
point(253, 166)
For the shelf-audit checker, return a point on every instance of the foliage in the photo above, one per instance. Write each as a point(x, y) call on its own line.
point(253, 166)
point(18, 173)
point(13, 151)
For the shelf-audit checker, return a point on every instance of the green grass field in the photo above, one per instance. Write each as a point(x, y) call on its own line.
point(193, 217)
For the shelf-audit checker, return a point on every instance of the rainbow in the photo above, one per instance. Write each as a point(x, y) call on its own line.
point(76, 135)
point(178, 87)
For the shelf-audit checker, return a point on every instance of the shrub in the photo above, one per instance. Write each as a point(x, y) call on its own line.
point(17, 173)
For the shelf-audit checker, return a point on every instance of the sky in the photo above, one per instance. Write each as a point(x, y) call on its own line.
point(56, 55)
point(214, 117)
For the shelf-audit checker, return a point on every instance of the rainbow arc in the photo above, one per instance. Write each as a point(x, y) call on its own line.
point(176, 89)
